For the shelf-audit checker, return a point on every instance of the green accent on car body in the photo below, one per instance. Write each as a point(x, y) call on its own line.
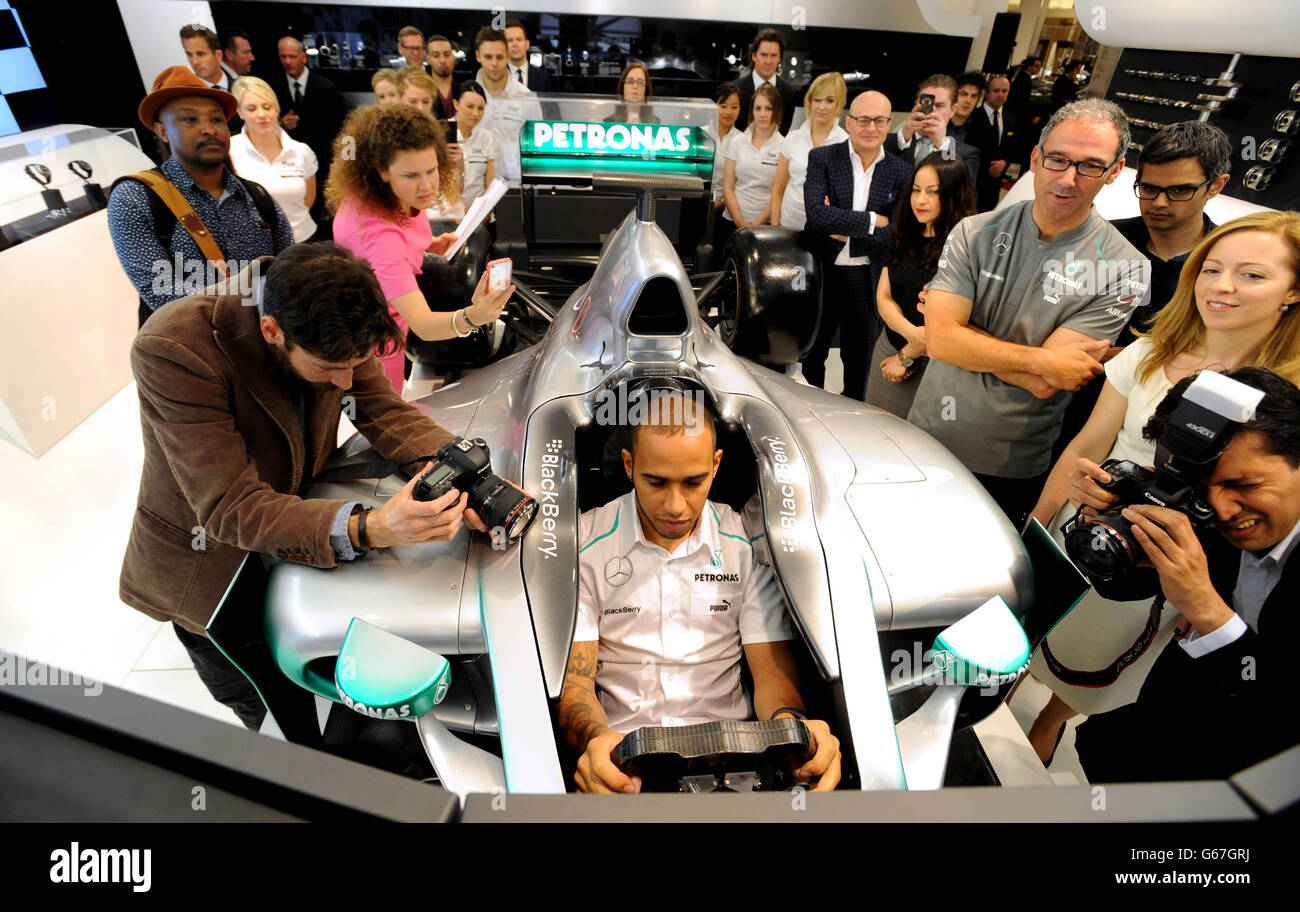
point(563, 148)
point(385, 676)
point(986, 645)
point(612, 530)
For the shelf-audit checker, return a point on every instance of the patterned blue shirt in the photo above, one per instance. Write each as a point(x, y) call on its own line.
point(164, 275)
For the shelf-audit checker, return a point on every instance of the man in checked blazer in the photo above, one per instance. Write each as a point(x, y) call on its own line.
point(851, 193)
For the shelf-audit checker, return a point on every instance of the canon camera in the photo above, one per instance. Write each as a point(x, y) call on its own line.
point(1200, 426)
point(466, 465)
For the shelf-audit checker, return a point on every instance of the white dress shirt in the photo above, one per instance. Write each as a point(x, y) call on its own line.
point(285, 178)
point(1001, 119)
point(759, 80)
point(301, 82)
point(671, 626)
point(505, 115)
point(924, 146)
point(1255, 581)
point(862, 175)
point(755, 171)
point(519, 74)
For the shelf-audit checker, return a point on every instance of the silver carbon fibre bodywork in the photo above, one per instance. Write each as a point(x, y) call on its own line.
point(869, 524)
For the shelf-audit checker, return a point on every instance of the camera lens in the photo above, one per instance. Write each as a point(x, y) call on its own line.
point(1104, 547)
point(501, 505)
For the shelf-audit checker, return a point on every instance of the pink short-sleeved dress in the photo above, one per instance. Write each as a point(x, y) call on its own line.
point(396, 254)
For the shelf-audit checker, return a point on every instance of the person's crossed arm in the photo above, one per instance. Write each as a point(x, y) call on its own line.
point(1066, 360)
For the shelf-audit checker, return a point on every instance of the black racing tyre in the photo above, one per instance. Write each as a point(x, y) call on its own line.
point(768, 303)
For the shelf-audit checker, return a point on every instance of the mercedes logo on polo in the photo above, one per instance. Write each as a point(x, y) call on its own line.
point(618, 570)
point(1002, 243)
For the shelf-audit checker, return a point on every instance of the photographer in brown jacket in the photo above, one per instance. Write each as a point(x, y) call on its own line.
point(241, 390)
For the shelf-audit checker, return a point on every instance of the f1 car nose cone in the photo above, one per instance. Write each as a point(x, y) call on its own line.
point(383, 675)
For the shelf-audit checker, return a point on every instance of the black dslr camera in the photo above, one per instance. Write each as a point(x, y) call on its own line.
point(1200, 426)
point(467, 466)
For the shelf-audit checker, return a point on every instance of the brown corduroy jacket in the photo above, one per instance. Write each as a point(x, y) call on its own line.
point(224, 455)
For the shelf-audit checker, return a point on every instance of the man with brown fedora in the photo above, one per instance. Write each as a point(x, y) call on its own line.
point(181, 227)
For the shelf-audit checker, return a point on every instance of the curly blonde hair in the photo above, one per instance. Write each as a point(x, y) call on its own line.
point(371, 138)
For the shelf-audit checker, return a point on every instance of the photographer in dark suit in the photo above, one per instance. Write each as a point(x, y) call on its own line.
point(851, 193)
point(1220, 698)
point(311, 109)
point(765, 56)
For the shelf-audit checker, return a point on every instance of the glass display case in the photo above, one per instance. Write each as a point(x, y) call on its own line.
point(54, 176)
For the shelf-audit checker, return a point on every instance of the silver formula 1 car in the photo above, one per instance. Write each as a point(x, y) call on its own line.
point(884, 545)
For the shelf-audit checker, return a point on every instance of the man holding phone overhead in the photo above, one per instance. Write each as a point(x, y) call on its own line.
point(926, 128)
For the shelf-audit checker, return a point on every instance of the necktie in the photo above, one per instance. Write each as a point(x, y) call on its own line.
point(997, 124)
point(297, 92)
point(519, 73)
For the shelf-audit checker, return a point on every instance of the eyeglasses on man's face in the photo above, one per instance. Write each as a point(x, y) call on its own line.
point(1178, 193)
point(881, 123)
point(1092, 170)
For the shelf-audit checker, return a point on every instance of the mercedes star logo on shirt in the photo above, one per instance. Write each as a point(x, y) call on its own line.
point(618, 571)
point(1002, 243)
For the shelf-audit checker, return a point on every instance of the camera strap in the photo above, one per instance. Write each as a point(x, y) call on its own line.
point(1104, 677)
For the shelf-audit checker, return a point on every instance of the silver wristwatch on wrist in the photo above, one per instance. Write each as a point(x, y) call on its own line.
point(905, 361)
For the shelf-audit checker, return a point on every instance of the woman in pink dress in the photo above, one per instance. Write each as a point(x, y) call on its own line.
point(384, 174)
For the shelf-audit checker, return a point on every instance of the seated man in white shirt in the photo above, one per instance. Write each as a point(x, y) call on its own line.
point(669, 593)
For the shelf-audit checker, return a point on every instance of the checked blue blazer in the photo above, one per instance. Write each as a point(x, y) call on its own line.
point(830, 174)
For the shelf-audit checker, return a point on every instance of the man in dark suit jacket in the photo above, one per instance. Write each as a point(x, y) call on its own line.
point(851, 194)
point(923, 133)
point(535, 79)
point(992, 130)
point(765, 55)
point(1220, 699)
point(311, 109)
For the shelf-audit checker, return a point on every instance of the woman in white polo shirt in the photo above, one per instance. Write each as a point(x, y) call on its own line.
point(479, 143)
point(751, 167)
point(823, 104)
point(727, 98)
point(264, 153)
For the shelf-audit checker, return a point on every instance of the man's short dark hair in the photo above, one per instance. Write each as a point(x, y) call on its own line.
point(973, 78)
point(1204, 142)
point(228, 36)
point(937, 81)
point(666, 412)
point(487, 33)
point(767, 34)
point(1277, 417)
point(432, 38)
point(199, 31)
point(515, 23)
point(328, 302)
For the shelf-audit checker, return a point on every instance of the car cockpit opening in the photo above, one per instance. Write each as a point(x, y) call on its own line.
point(659, 309)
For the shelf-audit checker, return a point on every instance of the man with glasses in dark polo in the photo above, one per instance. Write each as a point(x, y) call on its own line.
point(1026, 301)
point(1181, 168)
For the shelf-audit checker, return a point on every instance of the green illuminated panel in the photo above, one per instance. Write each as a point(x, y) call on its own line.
point(576, 149)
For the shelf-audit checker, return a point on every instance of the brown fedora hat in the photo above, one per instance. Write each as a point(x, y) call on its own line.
point(177, 82)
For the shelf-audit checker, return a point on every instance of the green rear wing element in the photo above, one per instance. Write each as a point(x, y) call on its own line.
point(574, 150)
point(987, 646)
point(383, 675)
